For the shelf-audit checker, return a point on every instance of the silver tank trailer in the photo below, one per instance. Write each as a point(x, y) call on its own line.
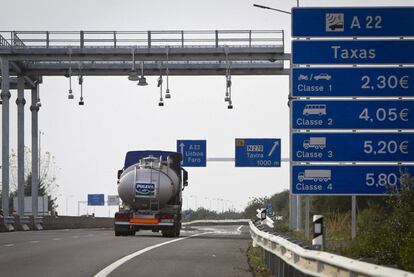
point(149, 183)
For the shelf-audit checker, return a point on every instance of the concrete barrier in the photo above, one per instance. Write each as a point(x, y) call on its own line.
point(65, 222)
point(74, 222)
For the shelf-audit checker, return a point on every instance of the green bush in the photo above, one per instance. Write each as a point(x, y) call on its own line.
point(386, 233)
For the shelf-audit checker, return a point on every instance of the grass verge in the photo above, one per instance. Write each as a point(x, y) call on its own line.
point(256, 263)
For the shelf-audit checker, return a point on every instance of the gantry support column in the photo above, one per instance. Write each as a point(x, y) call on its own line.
point(34, 108)
point(5, 130)
point(20, 101)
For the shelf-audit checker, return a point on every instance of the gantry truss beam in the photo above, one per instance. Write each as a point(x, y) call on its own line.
point(105, 53)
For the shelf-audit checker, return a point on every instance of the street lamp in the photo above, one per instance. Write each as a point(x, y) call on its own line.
point(273, 9)
point(70, 95)
point(133, 75)
point(40, 153)
point(67, 200)
point(80, 81)
point(208, 199)
point(142, 80)
point(195, 200)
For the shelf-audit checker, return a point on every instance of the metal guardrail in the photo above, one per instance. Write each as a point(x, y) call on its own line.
point(149, 39)
point(217, 221)
point(285, 258)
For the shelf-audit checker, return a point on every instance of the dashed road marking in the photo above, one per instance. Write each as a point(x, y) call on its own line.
point(75, 237)
point(107, 270)
point(57, 239)
point(9, 245)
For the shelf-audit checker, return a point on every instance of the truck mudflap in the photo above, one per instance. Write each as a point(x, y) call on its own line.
point(126, 224)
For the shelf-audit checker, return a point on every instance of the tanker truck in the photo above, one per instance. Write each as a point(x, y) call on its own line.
point(150, 186)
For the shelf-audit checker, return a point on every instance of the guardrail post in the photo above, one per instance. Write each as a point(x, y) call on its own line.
point(182, 38)
point(217, 38)
point(82, 39)
point(114, 39)
point(318, 240)
point(250, 38)
point(47, 39)
point(149, 39)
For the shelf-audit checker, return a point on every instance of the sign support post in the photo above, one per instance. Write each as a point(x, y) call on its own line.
point(299, 213)
point(307, 211)
point(353, 217)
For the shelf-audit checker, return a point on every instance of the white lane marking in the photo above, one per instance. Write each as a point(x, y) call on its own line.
point(75, 237)
point(239, 229)
point(34, 241)
point(108, 270)
point(9, 245)
point(56, 239)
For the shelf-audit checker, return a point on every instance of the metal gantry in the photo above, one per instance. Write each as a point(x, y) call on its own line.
point(27, 56)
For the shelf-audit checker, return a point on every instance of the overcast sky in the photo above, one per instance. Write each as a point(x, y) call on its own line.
point(90, 142)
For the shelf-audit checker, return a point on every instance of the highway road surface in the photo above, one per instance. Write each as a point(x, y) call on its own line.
point(199, 251)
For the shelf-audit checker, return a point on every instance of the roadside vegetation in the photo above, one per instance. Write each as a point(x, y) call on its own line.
point(385, 225)
point(203, 214)
point(256, 263)
point(47, 184)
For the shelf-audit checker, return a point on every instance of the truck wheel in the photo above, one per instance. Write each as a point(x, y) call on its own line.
point(131, 233)
point(117, 233)
point(167, 233)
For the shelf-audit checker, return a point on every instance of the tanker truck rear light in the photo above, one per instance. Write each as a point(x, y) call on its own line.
point(167, 219)
point(167, 216)
point(121, 217)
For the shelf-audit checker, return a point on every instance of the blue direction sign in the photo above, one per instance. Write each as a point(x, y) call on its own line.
point(194, 152)
point(269, 209)
point(337, 179)
point(332, 82)
point(353, 114)
point(353, 22)
point(96, 199)
point(353, 52)
point(257, 152)
point(353, 147)
point(187, 215)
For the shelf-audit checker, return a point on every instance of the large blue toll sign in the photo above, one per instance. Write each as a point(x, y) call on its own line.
point(337, 179)
point(353, 147)
point(353, 52)
point(96, 199)
point(194, 152)
point(353, 114)
point(357, 81)
point(353, 22)
point(257, 152)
